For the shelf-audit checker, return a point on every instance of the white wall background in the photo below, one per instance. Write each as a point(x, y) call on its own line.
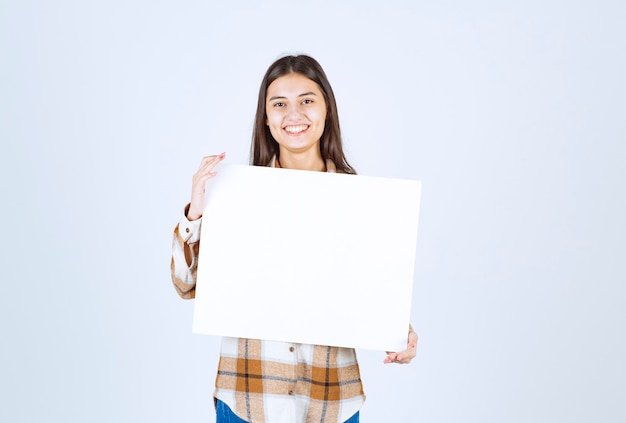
point(512, 113)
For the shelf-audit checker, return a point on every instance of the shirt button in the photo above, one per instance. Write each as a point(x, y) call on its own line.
point(291, 349)
point(290, 392)
point(187, 230)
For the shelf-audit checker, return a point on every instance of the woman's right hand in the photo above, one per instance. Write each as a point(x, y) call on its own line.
point(204, 173)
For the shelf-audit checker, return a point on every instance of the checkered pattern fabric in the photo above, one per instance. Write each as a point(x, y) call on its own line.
point(266, 381)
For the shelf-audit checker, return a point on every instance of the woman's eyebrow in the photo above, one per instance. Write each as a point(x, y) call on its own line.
point(282, 97)
point(277, 97)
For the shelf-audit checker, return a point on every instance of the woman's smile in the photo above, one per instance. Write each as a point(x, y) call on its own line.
point(296, 129)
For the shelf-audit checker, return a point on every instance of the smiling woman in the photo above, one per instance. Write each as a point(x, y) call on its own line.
point(296, 127)
point(296, 117)
point(295, 91)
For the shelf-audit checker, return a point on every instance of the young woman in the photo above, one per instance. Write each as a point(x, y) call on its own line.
point(296, 127)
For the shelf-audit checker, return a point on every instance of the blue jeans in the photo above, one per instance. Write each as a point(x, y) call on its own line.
point(225, 415)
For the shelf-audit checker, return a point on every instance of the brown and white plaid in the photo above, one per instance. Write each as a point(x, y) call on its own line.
point(267, 381)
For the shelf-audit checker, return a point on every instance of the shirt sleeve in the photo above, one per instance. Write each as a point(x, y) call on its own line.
point(185, 247)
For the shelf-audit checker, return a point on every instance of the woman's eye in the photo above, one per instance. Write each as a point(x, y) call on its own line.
point(279, 104)
point(307, 101)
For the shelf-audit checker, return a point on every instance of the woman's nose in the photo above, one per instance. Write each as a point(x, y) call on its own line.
point(294, 110)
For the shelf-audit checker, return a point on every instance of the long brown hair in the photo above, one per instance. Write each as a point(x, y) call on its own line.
point(264, 146)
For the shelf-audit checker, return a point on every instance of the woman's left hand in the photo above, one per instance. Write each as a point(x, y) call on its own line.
point(407, 355)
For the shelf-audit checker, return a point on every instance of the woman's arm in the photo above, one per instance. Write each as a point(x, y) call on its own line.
point(186, 242)
point(185, 247)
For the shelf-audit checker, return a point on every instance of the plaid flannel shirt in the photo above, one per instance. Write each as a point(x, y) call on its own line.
point(268, 381)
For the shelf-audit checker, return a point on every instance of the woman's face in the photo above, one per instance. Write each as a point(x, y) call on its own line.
point(296, 113)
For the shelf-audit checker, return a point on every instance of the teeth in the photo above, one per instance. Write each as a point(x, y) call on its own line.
point(295, 128)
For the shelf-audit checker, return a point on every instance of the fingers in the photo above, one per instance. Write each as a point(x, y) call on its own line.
point(403, 357)
point(208, 163)
point(391, 358)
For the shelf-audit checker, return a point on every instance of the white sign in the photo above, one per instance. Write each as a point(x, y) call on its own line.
point(307, 257)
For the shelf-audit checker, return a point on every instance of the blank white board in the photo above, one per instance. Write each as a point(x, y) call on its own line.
point(307, 257)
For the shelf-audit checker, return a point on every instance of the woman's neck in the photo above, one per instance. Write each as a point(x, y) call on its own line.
point(302, 161)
